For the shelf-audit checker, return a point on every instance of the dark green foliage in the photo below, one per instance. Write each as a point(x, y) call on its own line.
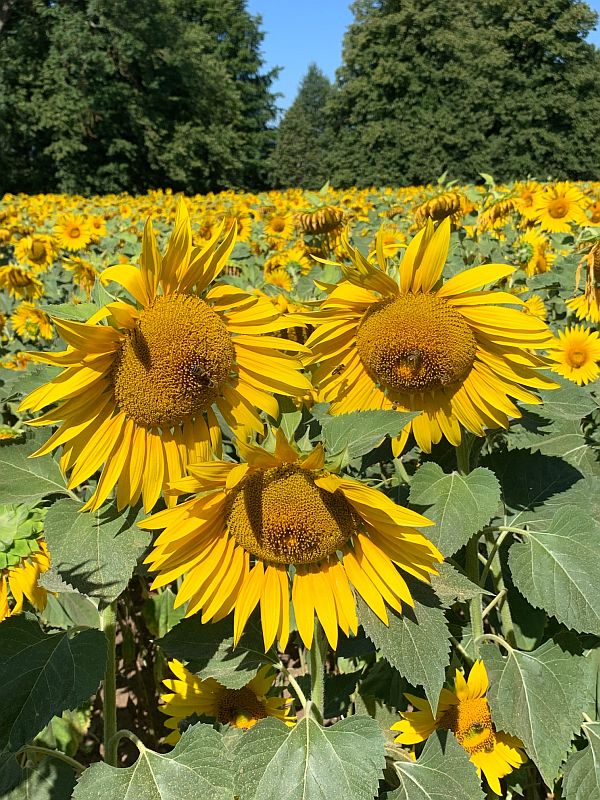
point(301, 157)
point(106, 95)
point(466, 87)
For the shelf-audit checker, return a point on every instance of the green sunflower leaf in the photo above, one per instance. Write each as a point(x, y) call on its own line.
point(460, 505)
point(197, 767)
point(559, 569)
point(540, 697)
point(308, 761)
point(18, 383)
point(361, 431)
point(452, 586)
point(42, 675)
point(208, 647)
point(582, 770)
point(442, 772)
point(49, 780)
point(569, 402)
point(95, 553)
point(79, 312)
point(28, 480)
point(415, 642)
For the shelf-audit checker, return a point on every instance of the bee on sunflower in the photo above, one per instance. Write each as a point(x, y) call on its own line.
point(136, 396)
point(457, 356)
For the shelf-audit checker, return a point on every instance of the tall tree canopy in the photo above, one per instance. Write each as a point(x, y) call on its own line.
point(466, 86)
point(104, 95)
point(301, 157)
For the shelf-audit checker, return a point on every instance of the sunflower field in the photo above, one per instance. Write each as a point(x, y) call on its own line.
point(300, 494)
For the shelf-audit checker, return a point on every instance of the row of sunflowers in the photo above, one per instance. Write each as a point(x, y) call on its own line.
point(218, 352)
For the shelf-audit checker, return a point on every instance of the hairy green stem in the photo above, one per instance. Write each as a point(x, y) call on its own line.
point(506, 621)
point(293, 683)
point(47, 751)
point(109, 626)
point(113, 742)
point(317, 670)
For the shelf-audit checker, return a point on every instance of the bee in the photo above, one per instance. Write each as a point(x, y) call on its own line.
point(339, 369)
point(414, 358)
point(202, 377)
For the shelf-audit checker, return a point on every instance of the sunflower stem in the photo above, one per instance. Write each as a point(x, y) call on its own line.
point(47, 751)
point(109, 689)
point(506, 620)
point(317, 670)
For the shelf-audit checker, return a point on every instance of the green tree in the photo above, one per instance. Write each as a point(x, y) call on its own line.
point(301, 157)
point(467, 86)
point(107, 95)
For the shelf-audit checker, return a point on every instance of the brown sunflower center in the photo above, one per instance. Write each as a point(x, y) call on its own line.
point(278, 224)
point(173, 362)
point(577, 358)
point(74, 232)
point(558, 208)
point(415, 343)
point(38, 251)
point(471, 723)
point(281, 515)
point(240, 707)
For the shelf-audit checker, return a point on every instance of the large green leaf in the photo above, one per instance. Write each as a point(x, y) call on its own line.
point(559, 569)
point(451, 586)
point(309, 762)
point(539, 697)
point(569, 402)
point(17, 384)
point(460, 505)
point(28, 480)
point(415, 642)
point(197, 767)
point(361, 431)
point(442, 772)
point(42, 675)
point(582, 770)
point(209, 649)
point(564, 438)
point(49, 780)
point(95, 553)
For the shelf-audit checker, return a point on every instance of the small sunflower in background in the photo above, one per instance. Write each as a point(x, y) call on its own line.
point(575, 354)
point(242, 708)
point(466, 712)
point(31, 323)
point(279, 225)
point(234, 542)
point(23, 558)
point(558, 207)
point(72, 232)
point(20, 282)
point(540, 257)
point(536, 306)
point(38, 251)
point(136, 396)
point(456, 355)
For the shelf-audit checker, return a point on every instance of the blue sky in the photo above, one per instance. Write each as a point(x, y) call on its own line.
point(298, 32)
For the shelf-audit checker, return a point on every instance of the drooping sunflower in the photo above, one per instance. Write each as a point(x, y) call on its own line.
point(456, 355)
point(587, 305)
point(539, 256)
point(576, 353)
point(30, 322)
point(37, 250)
point(20, 282)
point(466, 712)
point(558, 207)
point(137, 395)
point(23, 558)
point(188, 694)
point(72, 232)
point(236, 540)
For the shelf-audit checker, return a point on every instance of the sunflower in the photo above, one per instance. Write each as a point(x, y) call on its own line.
point(576, 353)
point(539, 256)
point(137, 395)
point(535, 305)
point(558, 207)
point(587, 305)
point(23, 557)
point(241, 708)
point(455, 355)
point(466, 712)
point(72, 232)
point(37, 251)
point(84, 273)
point(20, 282)
point(279, 225)
point(30, 322)
point(235, 541)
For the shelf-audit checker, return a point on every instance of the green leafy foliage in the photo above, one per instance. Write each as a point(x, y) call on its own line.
point(582, 770)
point(42, 675)
point(415, 642)
point(558, 569)
point(442, 772)
point(539, 697)
point(460, 505)
point(49, 779)
point(28, 480)
point(196, 767)
point(95, 553)
point(359, 432)
point(309, 761)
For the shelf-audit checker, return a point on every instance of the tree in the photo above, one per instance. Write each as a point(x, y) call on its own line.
point(466, 86)
point(301, 156)
point(108, 95)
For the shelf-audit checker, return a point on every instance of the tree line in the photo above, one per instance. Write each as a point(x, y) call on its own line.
point(111, 95)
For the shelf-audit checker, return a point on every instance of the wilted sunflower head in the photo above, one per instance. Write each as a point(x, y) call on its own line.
point(137, 394)
point(411, 343)
point(278, 518)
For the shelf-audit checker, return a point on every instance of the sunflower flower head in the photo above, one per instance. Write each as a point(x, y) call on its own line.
point(465, 711)
point(457, 356)
point(576, 353)
point(242, 708)
point(137, 395)
point(279, 521)
point(72, 232)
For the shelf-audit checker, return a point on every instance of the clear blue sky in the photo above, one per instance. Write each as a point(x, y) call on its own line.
point(298, 32)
